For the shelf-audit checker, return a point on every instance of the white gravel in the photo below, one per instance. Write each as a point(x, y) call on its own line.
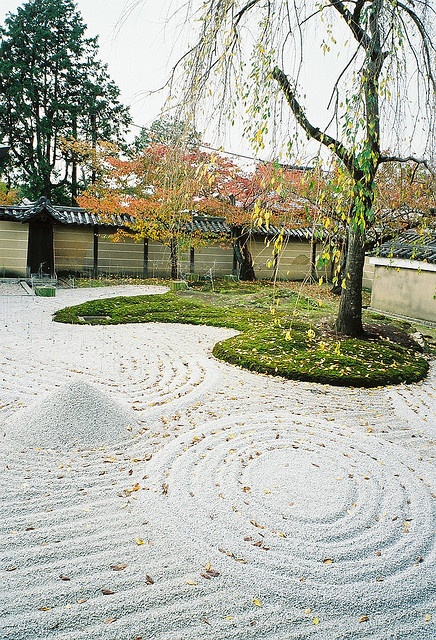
point(150, 491)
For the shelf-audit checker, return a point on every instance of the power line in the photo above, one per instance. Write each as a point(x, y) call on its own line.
point(205, 146)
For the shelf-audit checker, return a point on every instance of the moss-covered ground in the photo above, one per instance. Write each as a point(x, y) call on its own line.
point(284, 330)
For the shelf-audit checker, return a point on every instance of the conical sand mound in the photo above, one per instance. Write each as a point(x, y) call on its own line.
point(74, 415)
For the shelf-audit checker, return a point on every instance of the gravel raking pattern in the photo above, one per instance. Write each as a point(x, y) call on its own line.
point(236, 507)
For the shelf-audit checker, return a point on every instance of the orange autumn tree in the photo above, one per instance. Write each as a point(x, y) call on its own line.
point(267, 196)
point(8, 196)
point(159, 189)
point(404, 198)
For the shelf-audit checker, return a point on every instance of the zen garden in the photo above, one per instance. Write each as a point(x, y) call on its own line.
point(218, 399)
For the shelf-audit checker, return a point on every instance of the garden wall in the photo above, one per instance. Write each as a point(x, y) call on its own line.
point(13, 248)
point(405, 288)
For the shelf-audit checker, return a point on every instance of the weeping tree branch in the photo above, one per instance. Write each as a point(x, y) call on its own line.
point(352, 20)
point(425, 41)
point(311, 131)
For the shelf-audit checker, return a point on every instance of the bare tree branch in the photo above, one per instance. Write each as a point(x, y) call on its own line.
point(328, 141)
point(359, 33)
point(417, 161)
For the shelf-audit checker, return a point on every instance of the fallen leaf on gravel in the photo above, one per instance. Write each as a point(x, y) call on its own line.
point(109, 620)
point(11, 568)
point(65, 578)
point(135, 487)
point(257, 602)
point(427, 617)
point(315, 621)
point(212, 573)
point(44, 608)
point(82, 600)
point(107, 592)
point(246, 489)
point(139, 541)
point(149, 580)
point(191, 582)
point(328, 561)
point(165, 489)
point(256, 524)
point(307, 611)
point(118, 567)
point(363, 619)
point(230, 618)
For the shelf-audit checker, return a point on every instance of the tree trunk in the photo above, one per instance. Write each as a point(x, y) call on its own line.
point(349, 319)
point(74, 166)
point(174, 259)
point(243, 256)
point(337, 287)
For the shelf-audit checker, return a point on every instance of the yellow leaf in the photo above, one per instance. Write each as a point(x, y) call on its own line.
point(427, 617)
point(229, 618)
point(363, 619)
point(191, 582)
point(139, 541)
point(315, 621)
point(257, 602)
point(44, 608)
point(207, 567)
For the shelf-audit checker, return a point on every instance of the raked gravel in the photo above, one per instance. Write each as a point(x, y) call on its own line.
point(150, 491)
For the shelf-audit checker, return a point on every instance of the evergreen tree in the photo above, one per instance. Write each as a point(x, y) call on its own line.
point(52, 87)
point(169, 131)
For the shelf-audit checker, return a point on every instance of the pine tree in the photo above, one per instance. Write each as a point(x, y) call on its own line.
point(52, 86)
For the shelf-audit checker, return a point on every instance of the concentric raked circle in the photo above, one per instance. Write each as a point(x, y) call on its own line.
point(304, 503)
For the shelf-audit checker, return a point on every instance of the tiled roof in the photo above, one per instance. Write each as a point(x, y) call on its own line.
point(78, 216)
point(63, 215)
point(300, 233)
point(411, 245)
point(203, 224)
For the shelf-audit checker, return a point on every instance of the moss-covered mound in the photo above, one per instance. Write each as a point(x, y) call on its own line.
point(285, 339)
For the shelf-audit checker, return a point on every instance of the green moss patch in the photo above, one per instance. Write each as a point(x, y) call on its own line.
point(282, 333)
